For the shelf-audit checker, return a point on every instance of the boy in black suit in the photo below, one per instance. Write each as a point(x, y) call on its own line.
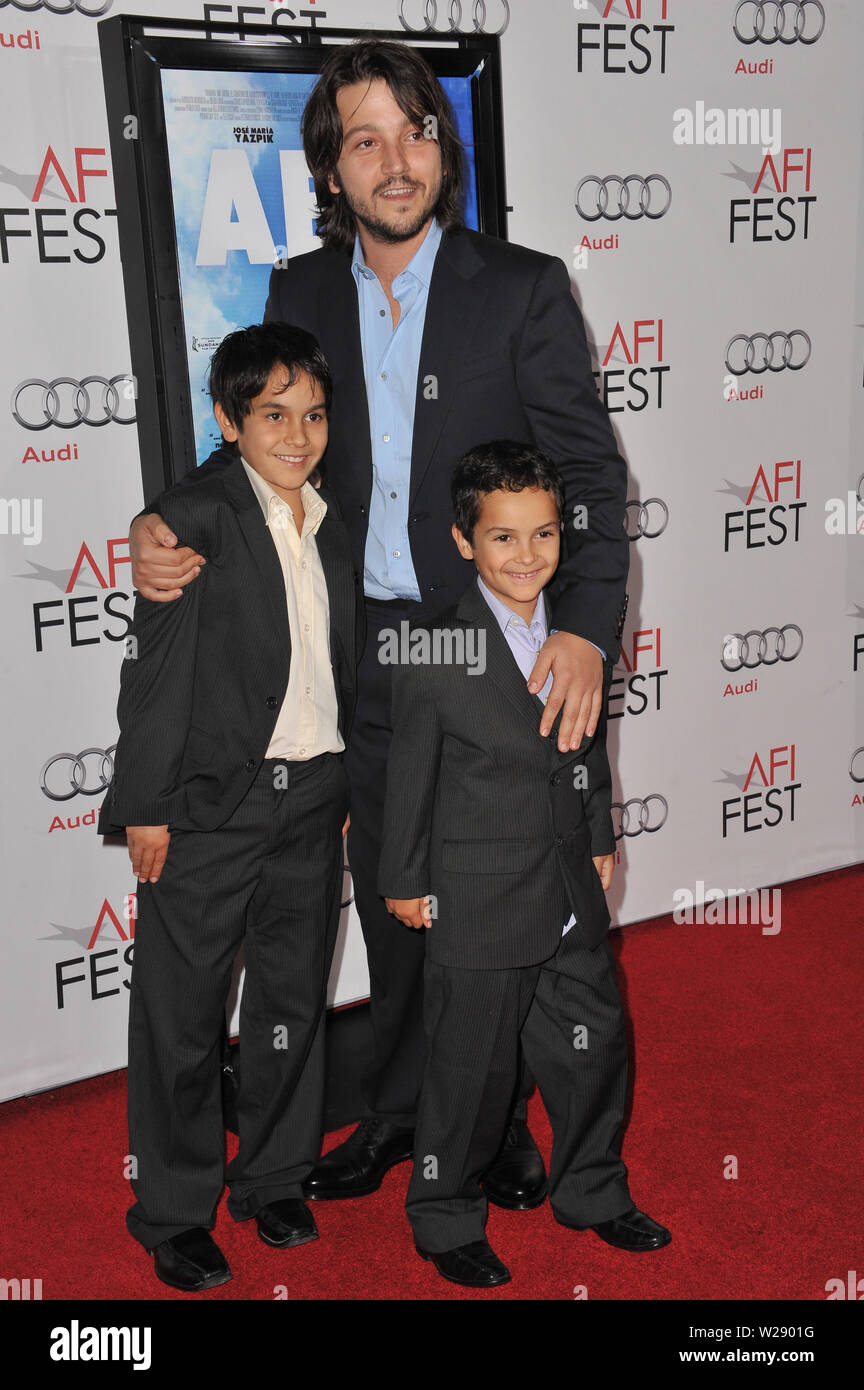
point(502, 846)
point(229, 783)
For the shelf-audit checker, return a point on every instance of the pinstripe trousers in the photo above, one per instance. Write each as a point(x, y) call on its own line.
point(567, 1013)
point(270, 879)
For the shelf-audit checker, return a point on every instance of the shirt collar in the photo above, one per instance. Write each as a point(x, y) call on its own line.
point(271, 503)
point(420, 265)
point(505, 616)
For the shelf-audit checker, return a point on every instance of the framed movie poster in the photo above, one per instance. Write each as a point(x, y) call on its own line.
point(213, 190)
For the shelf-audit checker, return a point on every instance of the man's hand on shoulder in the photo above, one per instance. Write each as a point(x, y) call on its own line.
point(577, 685)
point(160, 566)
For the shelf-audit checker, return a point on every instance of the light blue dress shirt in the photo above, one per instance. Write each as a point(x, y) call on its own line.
point(391, 360)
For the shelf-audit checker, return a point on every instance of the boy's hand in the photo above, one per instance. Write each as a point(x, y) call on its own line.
point(148, 849)
point(577, 684)
point(159, 571)
point(605, 865)
point(414, 912)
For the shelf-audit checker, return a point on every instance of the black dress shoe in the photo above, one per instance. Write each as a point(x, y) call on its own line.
point(631, 1231)
point(191, 1261)
point(475, 1265)
point(357, 1167)
point(286, 1222)
point(517, 1179)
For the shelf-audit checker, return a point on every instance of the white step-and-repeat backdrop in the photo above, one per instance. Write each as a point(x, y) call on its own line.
point(698, 166)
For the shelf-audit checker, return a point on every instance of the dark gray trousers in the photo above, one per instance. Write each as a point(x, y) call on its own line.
point(269, 879)
point(475, 1020)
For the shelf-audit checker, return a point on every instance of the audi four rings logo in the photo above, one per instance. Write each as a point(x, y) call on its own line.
point(767, 352)
point(647, 519)
point(766, 648)
point(646, 817)
point(778, 21)
point(857, 775)
point(62, 6)
point(613, 197)
point(37, 404)
point(70, 775)
point(456, 13)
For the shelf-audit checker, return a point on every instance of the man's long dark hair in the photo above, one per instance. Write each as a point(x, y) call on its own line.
point(417, 91)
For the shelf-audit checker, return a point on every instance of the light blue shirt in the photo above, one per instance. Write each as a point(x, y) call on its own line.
point(391, 361)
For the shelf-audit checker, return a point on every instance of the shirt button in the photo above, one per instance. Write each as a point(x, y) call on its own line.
point(302, 564)
point(383, 376)
point(386, 438)
point(272, 702)
point(301, 751)
point(392, 494)
point(250, 765)
point(396, 554)
point(308, 690)
point(381, 313)
point(306, 627)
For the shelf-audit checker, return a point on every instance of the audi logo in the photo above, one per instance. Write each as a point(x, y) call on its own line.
point(641, 523)
point(739, 650)
point(648, 202)
point(61, 6)
point(646, 818)
point(38, 404)
point(760, 352)
point(766, 21)
point(70, 774)
point(456, 15)
point(856, 777)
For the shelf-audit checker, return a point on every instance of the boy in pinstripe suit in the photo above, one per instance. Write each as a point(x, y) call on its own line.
point(501, 847)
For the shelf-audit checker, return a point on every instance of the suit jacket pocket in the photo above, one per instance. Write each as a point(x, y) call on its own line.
point(484, 856)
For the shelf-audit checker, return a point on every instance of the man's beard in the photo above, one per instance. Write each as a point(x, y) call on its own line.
point(383, 231)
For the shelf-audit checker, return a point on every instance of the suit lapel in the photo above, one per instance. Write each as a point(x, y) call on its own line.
point(340, 330)
point(251, 520)
point(455, 303)
point(339, 575)
point(502, 668)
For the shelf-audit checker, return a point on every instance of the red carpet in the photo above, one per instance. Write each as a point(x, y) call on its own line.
point(746, 1045)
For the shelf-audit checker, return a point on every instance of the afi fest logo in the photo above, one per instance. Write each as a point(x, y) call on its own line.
point(767, 792)
point(779, 209)
point(58, 226)
point(772, 508)
point(85, 619)
point(102, 962)
point(637, 45)
point(641, 686)
point(641, 380)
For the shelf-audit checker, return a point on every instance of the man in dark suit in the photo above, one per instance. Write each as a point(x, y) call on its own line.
point(500, 846)
point(437, 337)
point(234, 708)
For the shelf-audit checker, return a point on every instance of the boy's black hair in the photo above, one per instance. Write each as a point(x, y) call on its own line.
point(501, 465)
point(243, 361)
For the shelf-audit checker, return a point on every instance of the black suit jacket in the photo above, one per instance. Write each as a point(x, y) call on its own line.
point(503, 356)
point(486, 815)
point(199, 701)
